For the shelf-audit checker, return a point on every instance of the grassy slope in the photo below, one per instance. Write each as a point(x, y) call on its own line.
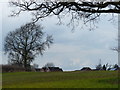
point(92, 79)
point(0, 80)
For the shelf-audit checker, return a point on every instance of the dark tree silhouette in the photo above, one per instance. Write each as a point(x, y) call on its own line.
point(23, 44)
point(104, 67)
point(90, 10)
point(99, 65)
point(77, 10)
point(116, 67)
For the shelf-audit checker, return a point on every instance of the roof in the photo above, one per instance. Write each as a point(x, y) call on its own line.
point(53, 68)
point(86, 68)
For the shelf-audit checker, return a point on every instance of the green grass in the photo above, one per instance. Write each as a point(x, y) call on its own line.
point(0, 80)
point(80, 79)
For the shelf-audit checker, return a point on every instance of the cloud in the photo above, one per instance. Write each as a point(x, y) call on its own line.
point(71, 50)
point(3, 1)
point(71, 57)
point(0, 29)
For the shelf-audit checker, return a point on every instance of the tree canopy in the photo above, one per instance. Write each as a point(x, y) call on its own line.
point(25, 43)
point(81, 8)
point(85, 10)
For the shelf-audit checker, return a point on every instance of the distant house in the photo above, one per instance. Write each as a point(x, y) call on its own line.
point(37, 69)
point(86, 69)
point(51, 69)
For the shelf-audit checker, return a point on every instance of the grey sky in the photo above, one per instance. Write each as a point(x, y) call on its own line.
point(71, 50)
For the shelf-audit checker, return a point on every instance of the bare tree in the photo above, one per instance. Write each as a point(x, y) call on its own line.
point(78, 9)
point(25, 43)
point(49, 65)
point(116, 67)
point(99, 66)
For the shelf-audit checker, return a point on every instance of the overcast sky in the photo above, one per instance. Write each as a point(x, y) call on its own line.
point(71, 50)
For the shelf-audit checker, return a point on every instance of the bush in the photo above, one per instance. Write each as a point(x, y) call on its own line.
point(12, 68)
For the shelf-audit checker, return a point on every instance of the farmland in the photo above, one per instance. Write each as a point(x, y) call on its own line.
point(78, 79)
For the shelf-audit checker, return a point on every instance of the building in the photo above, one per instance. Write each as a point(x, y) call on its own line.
point(51, 69)
point(86, 69)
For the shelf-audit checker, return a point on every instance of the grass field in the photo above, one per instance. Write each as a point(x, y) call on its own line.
point(79, 79)
point(0, 80)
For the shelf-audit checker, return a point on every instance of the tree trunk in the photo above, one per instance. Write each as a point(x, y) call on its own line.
point(25, 63)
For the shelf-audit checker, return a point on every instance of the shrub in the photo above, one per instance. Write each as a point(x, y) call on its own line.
point(12, 68)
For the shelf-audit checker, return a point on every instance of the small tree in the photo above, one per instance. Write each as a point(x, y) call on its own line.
point(49, 65)
point(99, 66)
point(104, 67)
point(25, 43)
point(116, 66)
